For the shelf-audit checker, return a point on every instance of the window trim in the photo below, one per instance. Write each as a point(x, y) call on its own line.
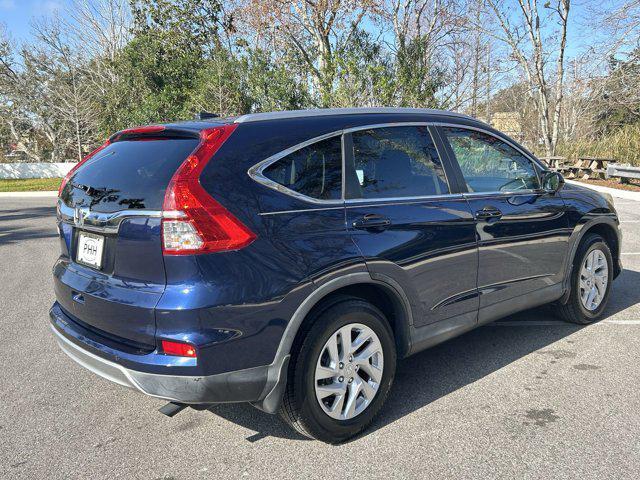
point(537, 165)
point(448, 162)
point(441, 157)
point(256, 171)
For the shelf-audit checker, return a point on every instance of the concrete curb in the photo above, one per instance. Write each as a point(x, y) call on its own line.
point(47, 194)
point(626, 194)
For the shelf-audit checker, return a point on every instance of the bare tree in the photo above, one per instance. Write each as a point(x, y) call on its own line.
point(316, 29)
point(23, 105)
point(489, 68)
point(425, 32)
point(96, 31)
point(70, 99)
point(623, 22)
point(48, 104)
point(100, 28)
point(522, 31)
point(476, 8)
point(417, 18)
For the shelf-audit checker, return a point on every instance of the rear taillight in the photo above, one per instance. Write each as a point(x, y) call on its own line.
point(179, 349)
point(77, 165)
point(193, 222)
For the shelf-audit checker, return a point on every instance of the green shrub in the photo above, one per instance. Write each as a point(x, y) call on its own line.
point(623, 145)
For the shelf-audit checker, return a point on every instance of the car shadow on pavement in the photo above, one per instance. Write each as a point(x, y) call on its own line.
point(26, 224)
point(27, 213)
point(434, 373)
point(625, 292)
point(263, 424)
point(430, 375)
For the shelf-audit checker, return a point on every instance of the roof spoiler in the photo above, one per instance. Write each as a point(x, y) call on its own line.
point(156, 131)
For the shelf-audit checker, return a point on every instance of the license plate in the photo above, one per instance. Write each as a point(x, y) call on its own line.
point(90, 249)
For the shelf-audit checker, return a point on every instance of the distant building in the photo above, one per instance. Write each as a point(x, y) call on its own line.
point(507, 122)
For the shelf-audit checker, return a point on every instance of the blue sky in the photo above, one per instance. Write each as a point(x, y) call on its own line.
point(18, 14)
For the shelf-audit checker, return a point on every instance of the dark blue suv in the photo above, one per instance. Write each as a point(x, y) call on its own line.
point(289, 259)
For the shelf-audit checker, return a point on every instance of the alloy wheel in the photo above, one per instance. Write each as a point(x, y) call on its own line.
point(349, 371)
point(594, 276)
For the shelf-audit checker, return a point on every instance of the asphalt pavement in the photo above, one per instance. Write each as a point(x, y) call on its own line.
point(525, 397)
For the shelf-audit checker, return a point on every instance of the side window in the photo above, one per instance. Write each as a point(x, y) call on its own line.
point(489, 164)
point(396, 162)
point(314, 171)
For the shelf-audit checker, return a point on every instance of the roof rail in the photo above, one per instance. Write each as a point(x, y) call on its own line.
point(318, 112)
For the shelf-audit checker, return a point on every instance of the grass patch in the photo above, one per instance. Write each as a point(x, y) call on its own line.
point(633, 186)
point(622, 145)
point(29, 184)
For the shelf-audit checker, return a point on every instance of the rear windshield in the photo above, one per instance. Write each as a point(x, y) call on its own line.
point(129, 174)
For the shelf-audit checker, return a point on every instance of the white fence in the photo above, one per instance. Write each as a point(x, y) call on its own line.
point(34, 170)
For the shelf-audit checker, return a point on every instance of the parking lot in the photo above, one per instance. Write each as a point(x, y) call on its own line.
point(526, 397)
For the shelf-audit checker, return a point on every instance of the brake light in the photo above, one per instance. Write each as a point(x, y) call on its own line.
point(193, 221)
point(143, 130)
point(147, 130)
point(178, 349)
point(77, 165)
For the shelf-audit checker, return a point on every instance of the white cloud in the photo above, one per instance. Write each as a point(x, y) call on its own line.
point(45, 7)
point(50, 7)
point(7, 4)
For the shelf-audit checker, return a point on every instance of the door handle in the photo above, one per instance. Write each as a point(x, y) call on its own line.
point(488, 213)
point(77, 297)
point(372, 221)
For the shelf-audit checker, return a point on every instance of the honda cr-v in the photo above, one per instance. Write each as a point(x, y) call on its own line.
point(290, 259)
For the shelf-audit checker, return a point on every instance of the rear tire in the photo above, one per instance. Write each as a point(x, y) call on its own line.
point(336, 417)
point(589, 297)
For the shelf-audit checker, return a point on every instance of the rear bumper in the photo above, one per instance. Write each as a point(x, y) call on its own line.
point(262, 385)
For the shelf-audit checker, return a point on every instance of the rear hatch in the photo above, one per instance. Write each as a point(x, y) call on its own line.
point(111, 275)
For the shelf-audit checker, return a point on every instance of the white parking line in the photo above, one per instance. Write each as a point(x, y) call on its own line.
point(630, 253)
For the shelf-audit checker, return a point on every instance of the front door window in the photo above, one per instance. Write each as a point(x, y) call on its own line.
point(490, 165)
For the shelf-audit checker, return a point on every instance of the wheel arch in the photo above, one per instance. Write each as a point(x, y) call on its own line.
point(608, 232)
point(604, 226)
point(384, 293)
point(377, 290)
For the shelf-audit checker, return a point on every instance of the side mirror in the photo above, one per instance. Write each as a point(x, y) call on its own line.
point(552, 181)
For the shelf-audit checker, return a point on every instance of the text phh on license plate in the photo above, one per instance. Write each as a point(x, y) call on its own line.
point(90, 249)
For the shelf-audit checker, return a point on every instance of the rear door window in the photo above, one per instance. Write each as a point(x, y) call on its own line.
point(314, 171)
point(490, 165)
point(396, 162)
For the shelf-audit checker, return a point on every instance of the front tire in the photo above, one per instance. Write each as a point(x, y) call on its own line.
point(591, 278)
point(341, 372)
